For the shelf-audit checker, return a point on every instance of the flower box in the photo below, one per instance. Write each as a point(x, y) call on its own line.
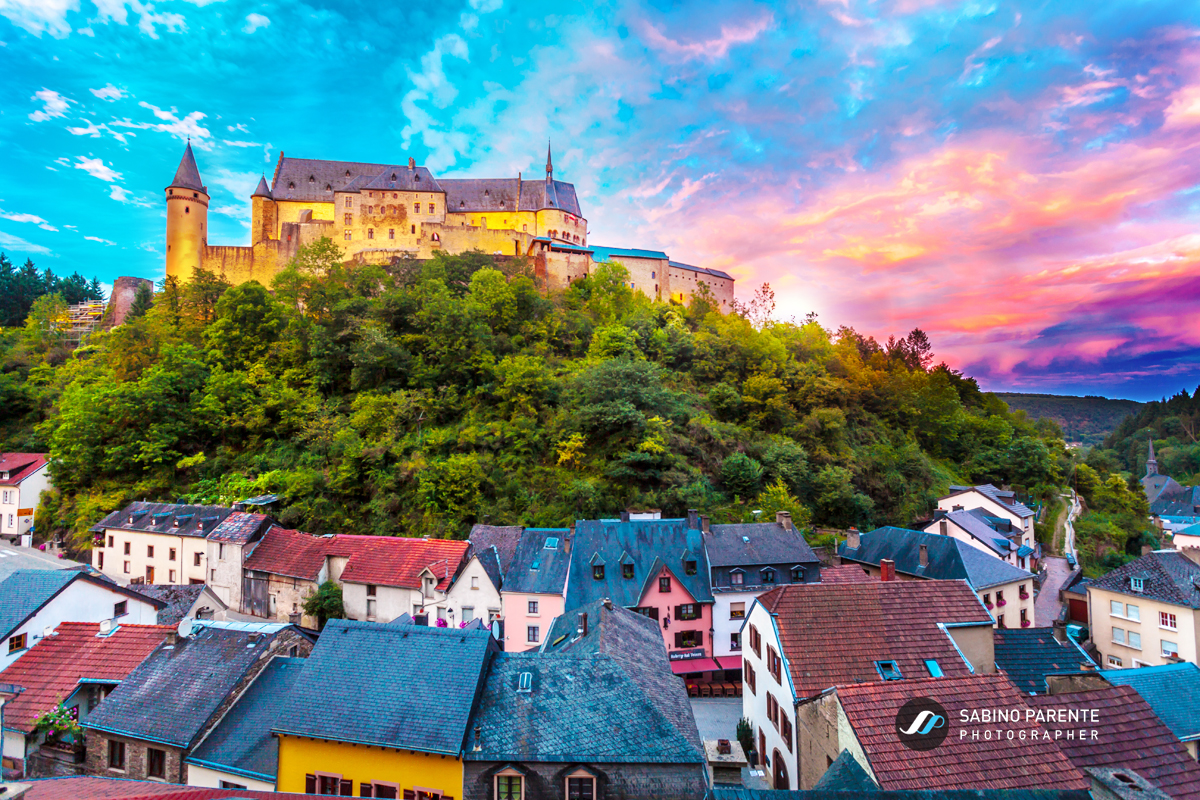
point(1001, 602)
point(989, 604)
point(1026, 623)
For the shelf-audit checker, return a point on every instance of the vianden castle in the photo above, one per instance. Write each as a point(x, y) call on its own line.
point(379, 213)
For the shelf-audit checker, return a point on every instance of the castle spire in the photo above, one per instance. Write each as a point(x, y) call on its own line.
point(262, 190)
point(1151, 462)
point(549, 163)
point(188, 174)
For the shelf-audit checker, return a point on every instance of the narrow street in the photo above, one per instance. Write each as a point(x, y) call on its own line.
point(1047, 606)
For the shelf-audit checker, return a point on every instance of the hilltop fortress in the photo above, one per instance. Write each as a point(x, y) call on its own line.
point(379, 213)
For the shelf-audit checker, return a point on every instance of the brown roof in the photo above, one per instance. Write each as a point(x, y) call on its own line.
point(382, 560)
point(504, 538)
point(20, 466)
point(833, 634)
point(847, 573)
point(1130, 736)
point(957, 763)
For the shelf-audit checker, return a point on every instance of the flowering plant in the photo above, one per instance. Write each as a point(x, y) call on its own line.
point(58, 723)
point(441, 623)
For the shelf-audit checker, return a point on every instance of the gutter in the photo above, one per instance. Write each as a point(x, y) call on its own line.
point(139, 736)
point(233, 770)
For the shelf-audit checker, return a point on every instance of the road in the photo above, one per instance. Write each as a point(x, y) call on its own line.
point(1047, 606)
point(1072, 515)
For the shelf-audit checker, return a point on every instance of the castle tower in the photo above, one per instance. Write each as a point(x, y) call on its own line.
point(263, 221)
point(187, 219)
point(1151, 462)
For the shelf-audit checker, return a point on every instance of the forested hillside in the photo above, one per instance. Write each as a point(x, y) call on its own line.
point(1175, 426)
point(1082, 419)
point(417, 399)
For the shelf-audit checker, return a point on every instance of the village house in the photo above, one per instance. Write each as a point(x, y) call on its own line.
point(996, 502)
point(1027, 656)
point(383, 711)
point(149, 724)
point(195, 601)
point(75, 667)
point(1146, 612)
point(596, 713)
point(993, 535)
point(35, 602)
point(802, 640)
point(535, 586)
point(239, 752)
point(1005, 590)
point(862, 719)
point(656, 567)
point(23, 478)
point(1173, 691)
point(746, 560)
point(381, 577)
point(474, 592)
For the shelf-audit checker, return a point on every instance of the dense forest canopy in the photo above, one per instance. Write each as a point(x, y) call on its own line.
point(20, 288)
point(1083, 419)
point(419, 398)
point(1174, 425)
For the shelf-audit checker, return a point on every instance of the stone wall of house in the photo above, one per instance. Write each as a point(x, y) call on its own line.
point(47, 763)
point(547, 781)
point(136, 758)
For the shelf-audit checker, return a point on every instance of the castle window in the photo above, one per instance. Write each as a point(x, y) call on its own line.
point(370, 233)
point(195, 194)
point(393, 176)
point(170, 191)
point(431, 208)
point(347, 201)
point(652, 274)
point(347, 173)
point(417, 177)
point(328, 188)
point(524, 227)
point(346, 234)
point(414, 228)
point(311, 179)
point(462, 204)
point(187, 210)
point(348, 219)
point(391, 233)
point(291, 184)
point(416, 208)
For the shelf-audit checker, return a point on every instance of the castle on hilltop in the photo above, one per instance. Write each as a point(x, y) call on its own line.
point(379, 213)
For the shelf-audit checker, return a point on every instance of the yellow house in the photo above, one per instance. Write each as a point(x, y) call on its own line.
point(383, 711)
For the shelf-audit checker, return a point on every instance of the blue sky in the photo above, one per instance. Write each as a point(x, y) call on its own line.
point(1019, 179)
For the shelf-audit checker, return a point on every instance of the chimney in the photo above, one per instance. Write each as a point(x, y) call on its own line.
point(723, 747)
point(478, 739)
point(887, 570)
point(567, 543)
point(172, 638)
point(704, 523)
point(625, 515)
point(608, 603)
point(583, 624)
point(784, 518)
point(412, 164)
point(924, 555)
point(693, 519)
point(852, 539)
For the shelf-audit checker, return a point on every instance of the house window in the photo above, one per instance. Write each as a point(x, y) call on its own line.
point(689, 567)
point(598, 572)
point(737, 578)
point(1166, 620)
point(391, 233)
point(116, 755)
point(170, 576)
point(687, 611)
point(1170, 649)
point(16, 643)
point(196, 560)
point(748, 674)
point(150, 551)
point(581, 788)
point(126, 567)
point(1118, 635)
point(785, 730)
point(533, 608)
point(689, 639)
point(127, 545)
point(888, 670)
point(474, 582)
point(935, 669)
point(232, 785)
point(767, 576)
point(1113, 661)
point(664, 584)
point(220, 552)
point(1135, 640)
point(100, 559)
point(533, 634)
point(347, 219)
point(798, 574)
point(1136, 584)
point(735, 640)
point(508, 787)
point(156, 763)
point(1116, 608)
point(774, 665)
point(627, 570)
point(737, 610)
point(468, 613)
point(1133, 612)
point(773, 710)
point(346, 235)
point(171, 554)
point(755, 641)
point(110, 541)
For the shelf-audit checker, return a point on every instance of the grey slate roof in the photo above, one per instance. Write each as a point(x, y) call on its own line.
point(178, 599)
point(187, 175)
point(173, 694)
point(845, 774)
point(649, 544)
point(607, 697)
point(306, 179)
point(502, 537)
point(1028, 655)
point(752, 544)
point(716, 273)
point(197, 521)
point(241, 742)
point(500, 194)
point(949, 558)
point(536, 568)
point(1167, 575)
point(1006, 499)
point(975, 522)
point(1172, 690)
point(262, 190)
point(399, 686)
point(25, 591)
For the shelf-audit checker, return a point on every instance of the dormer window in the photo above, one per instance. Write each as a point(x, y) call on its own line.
point(598, 572)
point(347, 173)
point(798, 574)
point(737, 577)
point(525, 683)
point(627, 570)
point(312, 179)
point(767, 576)
point(888, 670)
point(552, 543)
point(689, 567)
point(393, 176)
point(291, 184)
point(1137, 584)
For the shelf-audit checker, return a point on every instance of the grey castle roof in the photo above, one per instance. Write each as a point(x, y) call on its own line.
point(262, 190)
point(500, 194)
point(1166, 575)
point(602, 253)
point(949, 558)
point(716, 273)
point(315, 180)
point(756, 543)
point(536, 567)
point(187, 176)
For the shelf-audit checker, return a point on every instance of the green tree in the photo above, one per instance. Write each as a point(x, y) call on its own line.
point(142, 301)
point(452, 487)
point(247, 323)
point(741, 475)
point(325, 604)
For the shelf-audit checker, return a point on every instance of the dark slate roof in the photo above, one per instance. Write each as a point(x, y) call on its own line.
point(502, 537)
point(650, 544)
point(716, 273)
point(173, 694)
point(1167, 575)
point(975, 522)
point(382, 685)
point(178, 599)
point(536, 568)
point(602, 254)
point(315, 180)
point(500, 194)
point(1076, 584)
point(1172, 690)
point(241, 742)
point(187, 176)
point(1028, 655)
point(1128, 734)
point(24, 592)
point(240, 527)
point(262, 190)
point(490, 561)
point(740, 793)
point(1161, 487)
point(756, 543)
point(606, 696)
point(196, 521)
point(949, 558)
point(845, 774)
point(1006, 499)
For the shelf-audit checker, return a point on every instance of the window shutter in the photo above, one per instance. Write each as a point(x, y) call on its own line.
point(364, 790)
point(678, 612)
point(347, 787)
point(699, 638)
point(310, 784)
point(409, 794)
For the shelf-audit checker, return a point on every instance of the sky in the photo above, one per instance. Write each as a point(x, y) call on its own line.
point(1021, 180)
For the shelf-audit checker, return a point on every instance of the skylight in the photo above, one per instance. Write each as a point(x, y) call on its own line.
point(525, 682)
point(935, 671)
point(552, 543)
point(888, 670)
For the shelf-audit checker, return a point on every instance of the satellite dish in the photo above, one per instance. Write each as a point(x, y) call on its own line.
point(185, 627)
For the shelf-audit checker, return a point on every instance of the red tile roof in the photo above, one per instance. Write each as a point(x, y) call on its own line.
point(96, 788)
point(21, 465)
point(957, 763)
point(382, 560)
point(833, 634)
point(53, 667)
point(1129, 735)
point(847, 573)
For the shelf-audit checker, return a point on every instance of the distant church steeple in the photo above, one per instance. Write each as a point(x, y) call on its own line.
point(1151, 462)
point(549, 163)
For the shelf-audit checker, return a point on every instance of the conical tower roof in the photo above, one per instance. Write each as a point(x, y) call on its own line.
point(263, 190)
point(188, 174)
point(1151, 461)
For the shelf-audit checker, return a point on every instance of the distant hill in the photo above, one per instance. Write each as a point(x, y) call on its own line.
point(1082, 419)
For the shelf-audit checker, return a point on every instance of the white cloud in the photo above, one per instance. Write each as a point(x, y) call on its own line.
point(53, 103)
point(93, 130)
point(97, 169)
point(189, 126)
point(119, 193)
point(101, 241)
point(15, 216)
point(430, 85)
point(174, 23)
point(239, 127)
point(241, 144)
point(254, 22)
point(20, 245)
point(109, 92)
point(40, 16)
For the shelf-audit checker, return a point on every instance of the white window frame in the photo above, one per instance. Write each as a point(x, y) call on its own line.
point(1163, 649)
point(507, 773)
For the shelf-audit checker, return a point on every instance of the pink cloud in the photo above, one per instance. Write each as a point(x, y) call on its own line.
point(707, 49)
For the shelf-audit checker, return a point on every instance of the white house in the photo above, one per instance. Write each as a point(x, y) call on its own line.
point(156, 543)
point(23, 478)
point(475, 592)
point(34, 602)
point(997, 502)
